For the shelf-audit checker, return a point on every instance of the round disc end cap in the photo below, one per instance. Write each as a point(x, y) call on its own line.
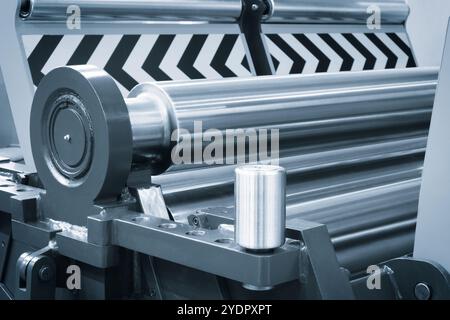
point(81, 133)
point(70, 136)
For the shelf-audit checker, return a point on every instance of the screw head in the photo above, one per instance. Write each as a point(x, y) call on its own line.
point(255, 7)
point(67, 138)
point(45, 274)
point(422, 291)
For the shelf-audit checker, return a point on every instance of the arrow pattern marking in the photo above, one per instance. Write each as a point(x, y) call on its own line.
point(286, 58)
point(347, 59)
point(333, 52)
point(132, 59)
point(40, 55)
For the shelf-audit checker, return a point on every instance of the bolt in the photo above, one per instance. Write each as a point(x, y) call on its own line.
point(45, 274)
point(422, 291)
point(67, 138)
point(255, 7)
point(195, 221)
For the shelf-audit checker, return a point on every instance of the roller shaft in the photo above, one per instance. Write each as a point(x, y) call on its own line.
point(298, 106)
point(300, 162)
point(343, 11)
point(98, 10)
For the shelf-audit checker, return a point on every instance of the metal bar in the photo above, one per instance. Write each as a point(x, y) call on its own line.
point(338, 12)
point(194, 248)
point(364, 219)
point(141, 10)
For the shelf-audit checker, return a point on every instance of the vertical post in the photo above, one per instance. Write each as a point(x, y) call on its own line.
point(260, 195)
point(433, 222)
point(18, 84)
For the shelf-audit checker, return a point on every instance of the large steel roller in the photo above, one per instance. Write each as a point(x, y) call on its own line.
point(88, 138)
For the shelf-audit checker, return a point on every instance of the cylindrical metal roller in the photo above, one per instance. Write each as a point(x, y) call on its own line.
point(298, 107)
point(338, 12)
point(140, 10)
point(300, 161)
point(260, 195)
point(77, 110)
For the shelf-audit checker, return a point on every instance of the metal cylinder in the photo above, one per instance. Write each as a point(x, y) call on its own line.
point(281, 109)
point(134, 10)
point(339, 12)
point(200, 181)
point(296, 107)
point(260, 195)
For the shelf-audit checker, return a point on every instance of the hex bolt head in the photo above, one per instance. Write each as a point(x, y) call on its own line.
point(45, 274)
point(422, 291)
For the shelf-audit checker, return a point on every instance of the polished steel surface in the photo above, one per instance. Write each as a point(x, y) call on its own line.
point(299, 106)
point(134, 10)
point(260, 196)
point(338, 12)
point(298, 161)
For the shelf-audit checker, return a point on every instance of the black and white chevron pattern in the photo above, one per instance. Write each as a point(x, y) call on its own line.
point(312, 53)
point(133, 59)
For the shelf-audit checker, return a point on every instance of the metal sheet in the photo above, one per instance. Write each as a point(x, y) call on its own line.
point(432, 236)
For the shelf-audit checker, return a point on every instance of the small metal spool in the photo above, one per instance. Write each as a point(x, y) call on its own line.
point(260, 203)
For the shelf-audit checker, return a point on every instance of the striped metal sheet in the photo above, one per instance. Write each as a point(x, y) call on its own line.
point(133, 59)
point(334, 52)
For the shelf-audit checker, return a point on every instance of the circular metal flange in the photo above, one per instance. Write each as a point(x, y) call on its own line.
point(81, 134)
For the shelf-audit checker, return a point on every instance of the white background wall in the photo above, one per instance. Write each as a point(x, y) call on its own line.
point(427, 27)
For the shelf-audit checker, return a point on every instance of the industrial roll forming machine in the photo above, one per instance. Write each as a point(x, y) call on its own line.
point(97, 96)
